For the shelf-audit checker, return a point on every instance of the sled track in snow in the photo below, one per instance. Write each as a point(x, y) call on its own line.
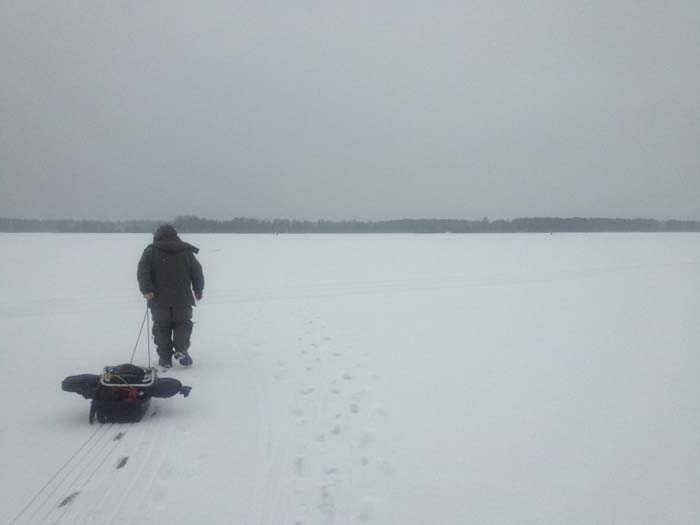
point(127, 471)
point(68, 471)
point(79, 483)
point(113, 458)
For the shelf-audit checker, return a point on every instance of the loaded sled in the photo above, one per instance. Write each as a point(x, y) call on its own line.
point(122, 393)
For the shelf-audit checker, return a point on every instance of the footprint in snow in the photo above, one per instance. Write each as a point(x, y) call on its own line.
point(299, 466)
point(354, 408)
point(68, 499)
point(381, 412)
point(122, 462)
point(158, 496)
point(347, 377)
point(366, 511)
point(308, 390)
point(386, 467)
point(327, 504)
point(360, 394)
point(366, 439)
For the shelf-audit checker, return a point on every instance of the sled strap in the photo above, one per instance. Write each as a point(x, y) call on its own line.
point(145, 317)
point(148, 337)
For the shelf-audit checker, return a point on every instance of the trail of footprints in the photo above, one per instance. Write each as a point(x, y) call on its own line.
point(340, 426)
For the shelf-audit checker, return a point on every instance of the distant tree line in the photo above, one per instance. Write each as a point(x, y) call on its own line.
point(71, 226)
point(193, 224)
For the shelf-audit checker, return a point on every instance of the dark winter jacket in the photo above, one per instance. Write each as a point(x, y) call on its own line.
point(169, 269)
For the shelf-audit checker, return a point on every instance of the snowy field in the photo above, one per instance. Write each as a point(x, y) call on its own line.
point(406, 379)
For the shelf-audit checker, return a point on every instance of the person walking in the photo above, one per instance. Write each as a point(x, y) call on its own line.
point(170, 278)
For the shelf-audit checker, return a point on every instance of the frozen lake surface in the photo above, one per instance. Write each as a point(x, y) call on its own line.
point(406, 379)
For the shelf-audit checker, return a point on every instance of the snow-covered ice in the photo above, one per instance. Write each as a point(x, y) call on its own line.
point(381, 379)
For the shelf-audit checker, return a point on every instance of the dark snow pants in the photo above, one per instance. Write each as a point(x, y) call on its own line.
point(172, 328)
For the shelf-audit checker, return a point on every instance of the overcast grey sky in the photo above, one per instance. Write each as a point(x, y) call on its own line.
point(350, 109)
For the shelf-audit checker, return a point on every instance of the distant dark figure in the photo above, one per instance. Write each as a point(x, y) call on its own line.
point(169, 274)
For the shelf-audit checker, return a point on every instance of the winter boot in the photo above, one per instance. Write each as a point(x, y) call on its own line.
point(184, 358)
point(165, 362)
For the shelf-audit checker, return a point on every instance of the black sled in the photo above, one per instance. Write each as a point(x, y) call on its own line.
point(122, 394)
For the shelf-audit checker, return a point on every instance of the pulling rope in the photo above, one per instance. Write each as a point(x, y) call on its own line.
point(148, 337)
point(145, 320)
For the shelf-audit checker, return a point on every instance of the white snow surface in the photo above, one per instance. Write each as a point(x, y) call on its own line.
point(389, 379)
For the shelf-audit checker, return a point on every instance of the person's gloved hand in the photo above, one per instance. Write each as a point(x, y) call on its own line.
point(198, 295)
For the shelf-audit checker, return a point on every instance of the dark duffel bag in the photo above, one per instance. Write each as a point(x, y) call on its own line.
point(83, 384)
point(167, 387)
